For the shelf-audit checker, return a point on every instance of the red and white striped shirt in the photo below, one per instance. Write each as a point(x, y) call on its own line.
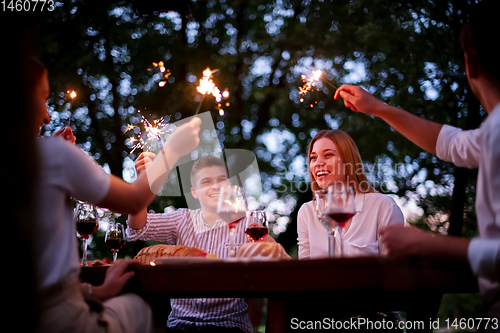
point(186, 227)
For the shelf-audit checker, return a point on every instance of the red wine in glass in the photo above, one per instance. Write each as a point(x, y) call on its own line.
point(115, 238)
point(340, 217)
point(86, 227)
point(256, 233)
point(257, 226)
point(231, 208)
point(115, 244)
point(232, 217)
point(87, 222)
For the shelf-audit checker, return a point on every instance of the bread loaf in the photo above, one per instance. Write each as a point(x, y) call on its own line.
point(147, 254)
point(262, 250)
point(97, 263)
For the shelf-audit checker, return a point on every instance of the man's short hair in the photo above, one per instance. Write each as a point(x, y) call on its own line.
point(204, 162)
point(478, 36)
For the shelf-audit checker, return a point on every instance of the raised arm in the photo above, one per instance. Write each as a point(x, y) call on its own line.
point(423, 133)
point(134, 197)
point(138, 221)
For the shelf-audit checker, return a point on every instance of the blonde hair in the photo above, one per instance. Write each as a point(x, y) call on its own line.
point(348, 151)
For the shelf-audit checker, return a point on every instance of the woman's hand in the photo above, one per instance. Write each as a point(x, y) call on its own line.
point(66, 133)
point(143, 161)
point(116, 278)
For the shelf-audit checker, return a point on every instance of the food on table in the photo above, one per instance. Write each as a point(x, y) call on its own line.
point(162, 250)
point(97, 263)
point(262, 250)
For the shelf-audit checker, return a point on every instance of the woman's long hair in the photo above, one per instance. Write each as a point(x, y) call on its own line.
point(348, 151)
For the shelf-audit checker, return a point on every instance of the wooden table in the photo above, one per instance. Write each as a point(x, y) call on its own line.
point(294, 287)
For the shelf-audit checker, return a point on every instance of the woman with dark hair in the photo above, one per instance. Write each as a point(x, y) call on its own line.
point(34, 74)
point(65, 171)
point(333, 157)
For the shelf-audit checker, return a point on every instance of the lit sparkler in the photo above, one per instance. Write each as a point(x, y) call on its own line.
point(165, 72)
point(207, 86)
point(129, 128)
point(310, 84)
point(72, 95)
point(153, 133)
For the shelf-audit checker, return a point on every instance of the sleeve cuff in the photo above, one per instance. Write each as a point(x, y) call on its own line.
point(484, 258)
point(442, 146)
point(136, 234)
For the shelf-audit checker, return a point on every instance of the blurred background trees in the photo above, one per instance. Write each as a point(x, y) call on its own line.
point(406, 54)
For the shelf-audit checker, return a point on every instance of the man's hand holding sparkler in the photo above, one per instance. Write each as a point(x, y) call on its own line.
point(359, 100)
point(422, 132)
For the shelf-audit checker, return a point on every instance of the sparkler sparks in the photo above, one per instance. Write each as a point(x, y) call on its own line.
point(72, 95)
point(154, 130)
point(207, 86)
point(139, 144)
point(165, 72)
point(310, 84)
point(129, 128)
point(153, 133)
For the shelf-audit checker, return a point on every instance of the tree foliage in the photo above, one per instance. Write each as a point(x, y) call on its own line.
point(406, 54)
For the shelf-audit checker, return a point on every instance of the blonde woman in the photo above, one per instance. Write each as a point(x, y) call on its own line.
point(334, 157)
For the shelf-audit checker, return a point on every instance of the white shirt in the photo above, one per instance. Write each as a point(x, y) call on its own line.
point(65, 171)
point(186, 227)
point(374, 211)
point(472, 149)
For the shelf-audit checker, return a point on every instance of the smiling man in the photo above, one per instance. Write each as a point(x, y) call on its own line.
point(202, 228)
point(207, 176)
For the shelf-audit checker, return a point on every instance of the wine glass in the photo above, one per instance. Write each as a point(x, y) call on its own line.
point(340, 207)
point(257, 226)
point(321, 205)
point(115, 238)
point(231, 208)
point(87, 223)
